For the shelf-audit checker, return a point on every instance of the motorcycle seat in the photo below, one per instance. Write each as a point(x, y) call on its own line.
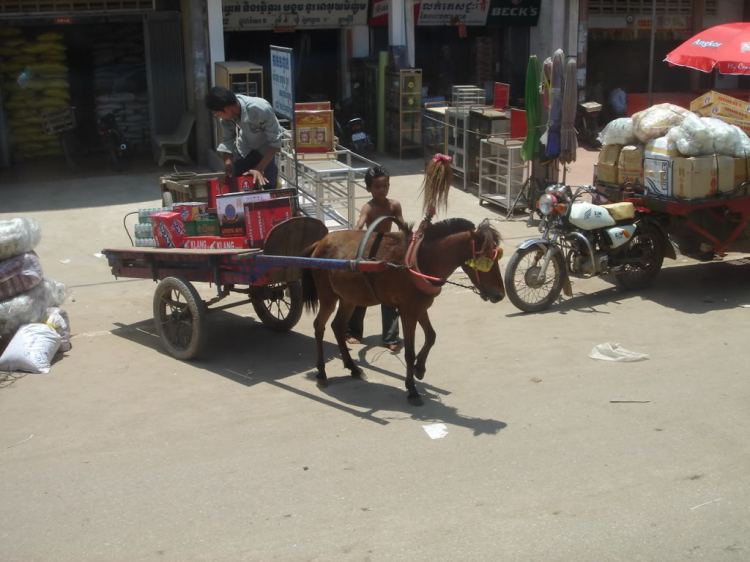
point(620, 211)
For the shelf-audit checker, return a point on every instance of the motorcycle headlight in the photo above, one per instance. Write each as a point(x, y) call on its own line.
point(546, 203)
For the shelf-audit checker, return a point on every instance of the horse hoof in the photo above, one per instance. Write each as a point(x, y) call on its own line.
point(322, 382)
point(416, 400)
point(419, 372)
point(359, 374)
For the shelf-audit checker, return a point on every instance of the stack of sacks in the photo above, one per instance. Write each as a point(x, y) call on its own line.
point(25, 295)
point(35, 77)
point(675, 153)
point(120, 82)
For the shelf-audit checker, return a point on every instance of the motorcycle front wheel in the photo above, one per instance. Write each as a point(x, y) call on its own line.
point(646, 245)
point(524, 289)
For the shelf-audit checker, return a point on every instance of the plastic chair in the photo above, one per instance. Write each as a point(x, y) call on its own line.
point(175, 146)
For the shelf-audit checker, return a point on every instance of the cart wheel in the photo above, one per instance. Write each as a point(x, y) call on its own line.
point(167, 199)
point(180, 317)
point(279, 306)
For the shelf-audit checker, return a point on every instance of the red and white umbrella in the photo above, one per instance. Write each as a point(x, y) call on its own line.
point(726, 47)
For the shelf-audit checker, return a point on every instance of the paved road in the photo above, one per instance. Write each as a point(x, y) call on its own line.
point(238, 456)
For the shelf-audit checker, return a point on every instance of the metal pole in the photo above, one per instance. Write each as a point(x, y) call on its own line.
point(651, 52)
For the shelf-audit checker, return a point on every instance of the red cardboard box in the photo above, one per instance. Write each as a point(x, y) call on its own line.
point(214, 243)
point(262, 216)
point(230, 208)
point(190, 211)
point(216, 187)
point(169, 230)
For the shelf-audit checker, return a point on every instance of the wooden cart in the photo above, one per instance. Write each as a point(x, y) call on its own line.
point(269, 279)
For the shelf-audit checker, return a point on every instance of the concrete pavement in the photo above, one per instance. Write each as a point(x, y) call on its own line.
point(238, 456)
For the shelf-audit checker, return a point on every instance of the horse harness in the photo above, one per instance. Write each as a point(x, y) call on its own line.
point(426, 284)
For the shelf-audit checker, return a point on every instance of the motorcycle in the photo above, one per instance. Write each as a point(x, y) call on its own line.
point(582, 239)
point(353, 135)
point(113, 141)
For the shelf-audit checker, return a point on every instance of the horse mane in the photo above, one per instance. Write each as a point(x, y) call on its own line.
point(437, 181)
point(487, 236)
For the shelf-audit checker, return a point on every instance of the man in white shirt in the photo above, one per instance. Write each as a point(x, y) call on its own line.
point(251, 136)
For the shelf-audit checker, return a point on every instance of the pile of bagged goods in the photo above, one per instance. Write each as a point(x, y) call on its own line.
point(32, 326)
point(35, 80)
point(680, 154)
point(120, 81)
point(241, 219)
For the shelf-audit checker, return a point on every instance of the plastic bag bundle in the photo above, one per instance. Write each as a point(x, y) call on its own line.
point(19, 274)
point(31, 306)
point(701, 136)
point(618, 131)
point(18, 236)
point(31, 349)
point(58, 320)
point(657, 120)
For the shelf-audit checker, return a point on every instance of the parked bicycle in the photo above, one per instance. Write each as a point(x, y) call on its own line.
point(62, 122)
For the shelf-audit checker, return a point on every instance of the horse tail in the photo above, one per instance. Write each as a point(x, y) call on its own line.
point(309, 290)
point(437, 180)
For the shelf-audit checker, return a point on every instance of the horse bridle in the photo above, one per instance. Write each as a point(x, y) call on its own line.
point(480, 263)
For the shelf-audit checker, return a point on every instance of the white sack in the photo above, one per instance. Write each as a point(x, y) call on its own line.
point(31, 349)
point(18, 235)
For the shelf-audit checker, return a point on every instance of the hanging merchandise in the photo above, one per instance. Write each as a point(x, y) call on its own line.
point(554, 119)
point(569, 142)
point(530, 148)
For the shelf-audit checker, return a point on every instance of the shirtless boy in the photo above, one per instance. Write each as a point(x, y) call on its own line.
point(377, 182)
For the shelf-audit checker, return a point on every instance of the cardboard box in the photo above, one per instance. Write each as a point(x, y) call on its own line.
point(206, 227)
point(630, 165)
point(606, 166)
point(169, 230)
point(190, 211)
point(230, 211)
point(695, 178)
point(230, 208)
point(262, 216)
point(743, 125)
point(215, 243)
point(713, 97)
point(658, 176)
point(741, 170)
point(657, 166)
point(725, 110)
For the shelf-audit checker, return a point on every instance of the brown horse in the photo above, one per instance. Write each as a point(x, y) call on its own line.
point(445, 246)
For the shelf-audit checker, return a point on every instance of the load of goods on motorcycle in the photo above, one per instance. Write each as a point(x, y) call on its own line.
point(672, 177)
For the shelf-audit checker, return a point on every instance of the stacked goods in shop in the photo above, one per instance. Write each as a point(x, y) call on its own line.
point(35, 80)
point(681, 154)
point(28, 301)
point(120, 83)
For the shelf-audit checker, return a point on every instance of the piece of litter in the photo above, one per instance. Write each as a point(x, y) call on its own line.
point(65, 262)
point(24, 441)
point(610, 351)
point(98, 255)
point(535, 380)
point(436, 430)
point(701, 505)
point(629, 401)
point(745, 306)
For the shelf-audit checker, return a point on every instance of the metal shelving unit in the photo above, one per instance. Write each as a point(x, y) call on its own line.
point(403, 110)
point(502, 174)
point(329, 184)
